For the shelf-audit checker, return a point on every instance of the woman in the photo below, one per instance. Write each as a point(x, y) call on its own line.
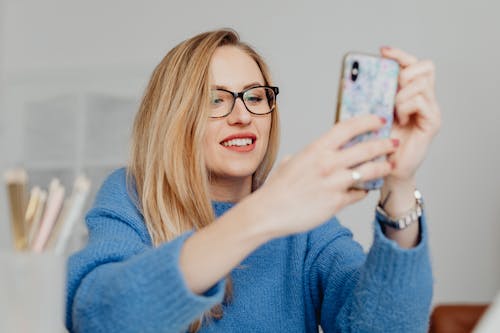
point(189, 237)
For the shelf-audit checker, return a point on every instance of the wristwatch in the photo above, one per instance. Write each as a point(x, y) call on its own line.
point(405, 220)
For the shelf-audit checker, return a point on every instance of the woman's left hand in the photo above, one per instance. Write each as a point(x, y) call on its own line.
point(417, 116)
point(417, 120)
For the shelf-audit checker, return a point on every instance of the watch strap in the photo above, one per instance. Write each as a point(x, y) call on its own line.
point(404, 220)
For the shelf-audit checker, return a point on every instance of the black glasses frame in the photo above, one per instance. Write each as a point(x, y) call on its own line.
point(240, 94)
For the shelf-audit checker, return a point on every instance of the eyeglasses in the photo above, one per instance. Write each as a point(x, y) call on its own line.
point(257, 100)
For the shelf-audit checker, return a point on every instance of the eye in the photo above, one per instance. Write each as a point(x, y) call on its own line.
point(218, 97)
point(255, 96)
point(216, 100)
point(253, 99)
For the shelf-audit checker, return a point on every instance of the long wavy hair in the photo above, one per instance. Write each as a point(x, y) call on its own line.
point(167, 167)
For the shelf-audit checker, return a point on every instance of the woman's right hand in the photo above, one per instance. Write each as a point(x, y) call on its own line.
point(302, 193)
point(312, 186)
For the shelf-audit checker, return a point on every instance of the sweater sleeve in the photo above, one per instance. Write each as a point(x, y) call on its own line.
point(387, 290)
point(119, 283)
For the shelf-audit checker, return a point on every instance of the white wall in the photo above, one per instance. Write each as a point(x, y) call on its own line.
point(81, 44)
point(4, 150)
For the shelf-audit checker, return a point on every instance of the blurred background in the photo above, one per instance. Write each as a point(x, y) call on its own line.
point(72, 74)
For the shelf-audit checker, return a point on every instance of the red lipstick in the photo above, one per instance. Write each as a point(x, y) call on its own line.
point(241, 149)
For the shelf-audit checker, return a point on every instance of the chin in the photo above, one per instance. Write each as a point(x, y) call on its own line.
point(235, 172)
point(239, 172)
point(235, 166)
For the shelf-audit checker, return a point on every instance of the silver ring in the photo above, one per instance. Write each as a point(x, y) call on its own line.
point(356, 177)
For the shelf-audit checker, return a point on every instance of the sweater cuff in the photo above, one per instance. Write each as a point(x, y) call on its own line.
point(390, 261)
point(164, 267)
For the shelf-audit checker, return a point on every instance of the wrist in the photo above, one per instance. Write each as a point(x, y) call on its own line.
point(397, 195)
point(399, 183)
point(404, 228)
point(259, 222)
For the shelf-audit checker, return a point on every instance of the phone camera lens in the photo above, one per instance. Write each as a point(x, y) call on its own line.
point(354, 71)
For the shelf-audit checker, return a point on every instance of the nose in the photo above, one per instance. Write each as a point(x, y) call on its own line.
point(240, 114)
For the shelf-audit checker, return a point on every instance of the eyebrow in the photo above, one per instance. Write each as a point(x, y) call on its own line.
point(250, 85)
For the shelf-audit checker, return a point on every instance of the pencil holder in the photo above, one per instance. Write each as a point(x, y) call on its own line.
point(32, 292)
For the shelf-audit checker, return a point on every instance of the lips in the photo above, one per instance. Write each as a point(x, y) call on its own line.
point(240, 136)
point(240, 143)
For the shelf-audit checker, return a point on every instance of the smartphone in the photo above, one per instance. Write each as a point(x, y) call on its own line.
point(368, 85)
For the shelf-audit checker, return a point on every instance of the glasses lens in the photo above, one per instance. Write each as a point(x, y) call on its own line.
point(260, 100)
point(220, 103)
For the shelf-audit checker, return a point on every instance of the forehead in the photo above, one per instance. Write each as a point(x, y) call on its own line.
point(232, 68)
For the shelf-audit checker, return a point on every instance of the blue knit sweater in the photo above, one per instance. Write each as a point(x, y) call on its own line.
point(119, 283)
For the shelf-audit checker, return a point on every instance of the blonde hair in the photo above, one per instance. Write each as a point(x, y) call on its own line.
point(166, 163)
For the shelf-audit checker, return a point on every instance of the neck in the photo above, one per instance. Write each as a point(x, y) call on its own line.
point(230, 189)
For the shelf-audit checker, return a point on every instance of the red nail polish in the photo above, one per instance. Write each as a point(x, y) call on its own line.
point(383, 120)
point(395, 142)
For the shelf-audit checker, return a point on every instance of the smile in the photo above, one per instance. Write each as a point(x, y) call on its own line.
point(239, 144)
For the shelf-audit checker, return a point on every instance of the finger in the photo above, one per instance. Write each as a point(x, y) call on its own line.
point(420, 68)
point(419, 86)
point(346, 130)
point(367, 171)
point(403, 58)
point(373, 170)
point(366, 151)
point(417, 104)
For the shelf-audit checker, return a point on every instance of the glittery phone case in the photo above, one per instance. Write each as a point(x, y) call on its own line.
point(368, 85)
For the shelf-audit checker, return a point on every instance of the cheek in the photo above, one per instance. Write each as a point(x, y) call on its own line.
point(210, 136)
point(265, 129)
point(209, 144)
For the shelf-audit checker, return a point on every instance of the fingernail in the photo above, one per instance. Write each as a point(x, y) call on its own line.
point(383, 120)
point(385, 48)
point(395, 143)
point(393, 165)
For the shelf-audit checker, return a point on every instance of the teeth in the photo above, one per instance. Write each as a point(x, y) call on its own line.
point(237, 142)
